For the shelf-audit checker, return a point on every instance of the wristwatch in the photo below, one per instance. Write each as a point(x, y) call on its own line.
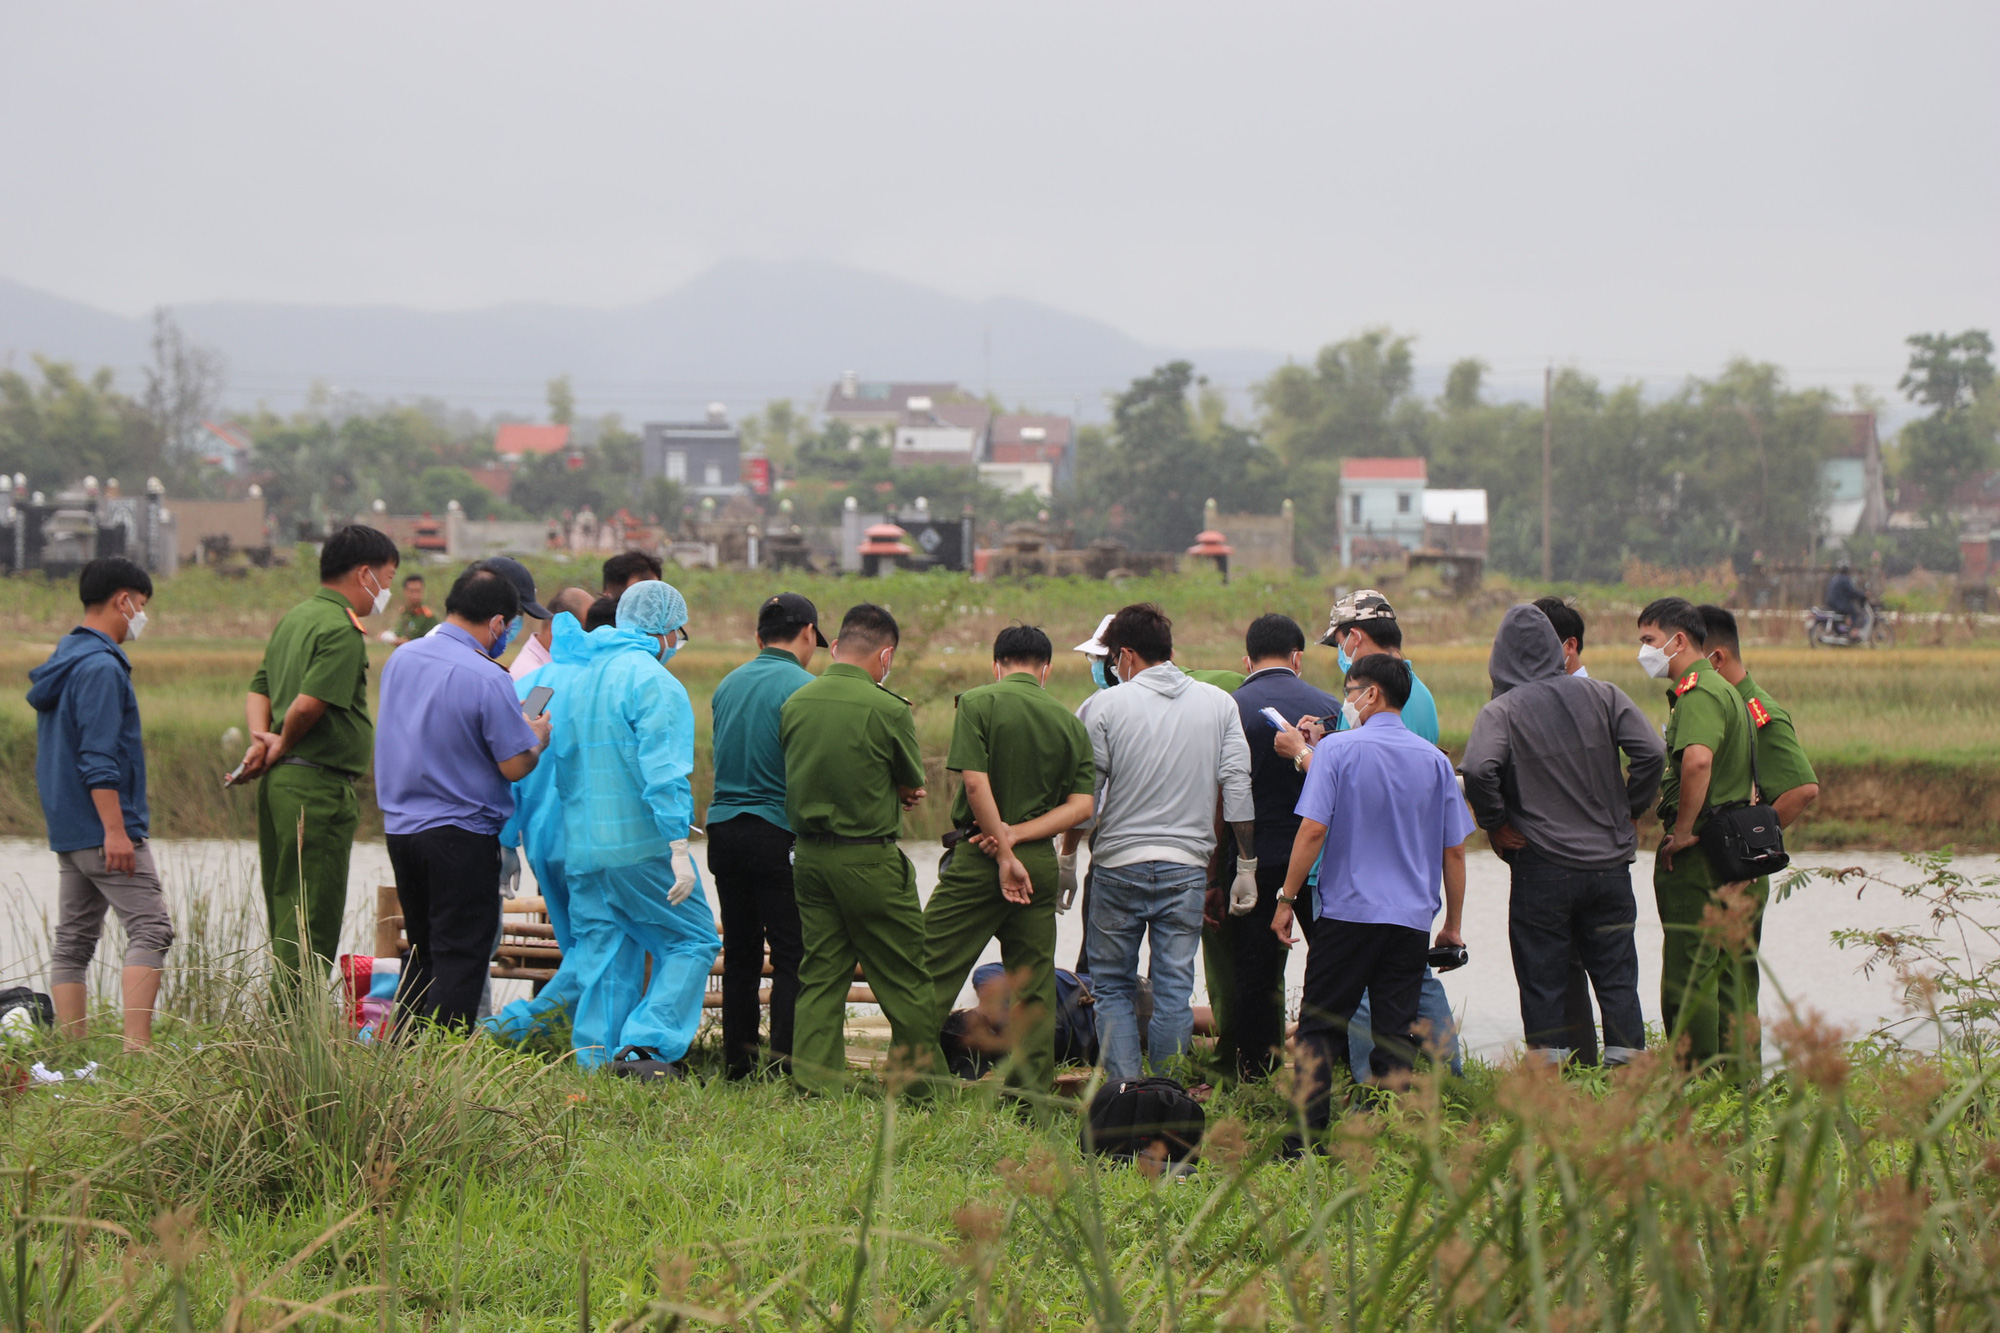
point(1299, 759)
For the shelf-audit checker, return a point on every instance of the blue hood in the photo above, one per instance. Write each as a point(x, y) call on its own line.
point(568, 644)
point(46, 682)
point(606, 640)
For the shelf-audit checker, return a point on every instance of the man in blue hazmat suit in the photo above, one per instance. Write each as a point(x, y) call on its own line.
point(623, 766)
point(534, 833)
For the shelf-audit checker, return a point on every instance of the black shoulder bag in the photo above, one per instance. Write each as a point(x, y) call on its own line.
point(1742, 839)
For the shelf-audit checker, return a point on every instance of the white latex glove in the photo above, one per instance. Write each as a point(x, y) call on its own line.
point(510, 873)
point(1243, 889)
point(683, 863)
point(1065, 880)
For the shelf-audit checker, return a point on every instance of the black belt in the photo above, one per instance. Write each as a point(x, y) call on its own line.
point(296, 762)
point(835, 840)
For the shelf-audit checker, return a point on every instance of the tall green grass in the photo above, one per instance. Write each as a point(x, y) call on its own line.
point(282, 1175)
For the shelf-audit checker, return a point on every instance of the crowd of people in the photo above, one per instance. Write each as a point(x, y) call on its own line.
point(1227, 815)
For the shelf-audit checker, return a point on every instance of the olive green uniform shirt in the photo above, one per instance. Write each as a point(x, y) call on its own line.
point(1227, 681)
point(414, 624)
point(849, 744)
point(1033, 750)
point(1706, 711)
point(319, 649)
point(1781, 760)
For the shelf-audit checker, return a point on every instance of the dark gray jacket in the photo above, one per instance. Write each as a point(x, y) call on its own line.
point(1544, 753)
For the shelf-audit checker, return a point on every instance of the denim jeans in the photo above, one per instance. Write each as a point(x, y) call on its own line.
point(1433, 1007)
point(1125, 902)
point(1554, 914)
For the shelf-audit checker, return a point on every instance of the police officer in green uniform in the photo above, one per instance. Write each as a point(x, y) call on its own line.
point(1703, 992)
point(851, 767)
point(1028, 776)
point(310, 741)
point(1785, 776)
point(416, 619)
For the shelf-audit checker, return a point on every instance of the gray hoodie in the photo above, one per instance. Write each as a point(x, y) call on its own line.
point(1544, 753)
point(1164, 745)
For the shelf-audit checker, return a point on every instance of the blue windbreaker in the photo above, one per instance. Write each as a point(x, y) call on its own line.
point(87, 738)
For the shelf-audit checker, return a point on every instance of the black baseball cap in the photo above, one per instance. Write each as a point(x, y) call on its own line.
point(782, 617)
point(517, 574)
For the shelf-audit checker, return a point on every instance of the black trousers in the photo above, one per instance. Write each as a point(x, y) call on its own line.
point(1256, 980)
point(1557, 917)
point(751, 860)
point(448, 879)
point(1346, 959)
point(1579, 1033)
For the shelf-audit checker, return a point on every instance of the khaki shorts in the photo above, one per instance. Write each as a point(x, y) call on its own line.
point(85, 889)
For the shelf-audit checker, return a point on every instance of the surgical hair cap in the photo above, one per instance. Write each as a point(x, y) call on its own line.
point(652, 607)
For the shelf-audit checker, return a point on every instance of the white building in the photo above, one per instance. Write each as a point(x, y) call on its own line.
point(1381, 507)
point(1856, 501)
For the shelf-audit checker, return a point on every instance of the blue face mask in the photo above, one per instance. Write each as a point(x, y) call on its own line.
point(504, 637)
point(1100, 671)
point(669, 646)
point(1345, 660)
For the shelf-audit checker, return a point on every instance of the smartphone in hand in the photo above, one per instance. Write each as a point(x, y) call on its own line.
point(537, 701)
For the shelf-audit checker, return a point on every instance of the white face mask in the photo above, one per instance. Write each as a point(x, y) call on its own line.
point(1350, 714)
point(381, 596)
point(135, 623)
point(1653, 660)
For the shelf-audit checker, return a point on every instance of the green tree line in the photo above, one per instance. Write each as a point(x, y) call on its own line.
point(1720, 469)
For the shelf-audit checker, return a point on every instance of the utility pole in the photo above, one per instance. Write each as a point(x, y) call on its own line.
point(1548, 394)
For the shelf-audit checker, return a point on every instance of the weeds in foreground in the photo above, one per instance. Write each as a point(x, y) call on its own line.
point(1853, 1186)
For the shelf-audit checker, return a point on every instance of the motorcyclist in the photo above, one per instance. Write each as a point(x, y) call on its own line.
point(1844, 596)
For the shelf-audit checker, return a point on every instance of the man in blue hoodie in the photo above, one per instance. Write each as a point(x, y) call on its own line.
point(90, 767)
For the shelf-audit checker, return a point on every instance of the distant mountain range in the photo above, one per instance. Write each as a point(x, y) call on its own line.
point(742, 333)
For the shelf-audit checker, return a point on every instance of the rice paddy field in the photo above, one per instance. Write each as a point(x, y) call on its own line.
point(1903, 737)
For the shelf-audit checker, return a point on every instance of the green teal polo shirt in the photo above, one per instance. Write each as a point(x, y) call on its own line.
point(749, 761)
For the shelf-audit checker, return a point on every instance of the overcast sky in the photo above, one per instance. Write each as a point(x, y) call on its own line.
point(1641, 189)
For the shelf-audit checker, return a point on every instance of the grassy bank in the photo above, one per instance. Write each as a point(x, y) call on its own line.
point(252, 1173)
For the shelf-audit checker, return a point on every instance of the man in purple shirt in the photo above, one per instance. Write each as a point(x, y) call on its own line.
point(451, 742)
point(1384, 804)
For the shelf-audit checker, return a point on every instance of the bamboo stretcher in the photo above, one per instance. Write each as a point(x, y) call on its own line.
point(529, 952)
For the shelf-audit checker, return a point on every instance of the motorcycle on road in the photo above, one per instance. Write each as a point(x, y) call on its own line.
point(1870, 629)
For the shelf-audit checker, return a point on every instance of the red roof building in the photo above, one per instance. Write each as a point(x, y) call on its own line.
point(517, 440)
point(497, 480)
point(1029, 437)
point(1384, 469)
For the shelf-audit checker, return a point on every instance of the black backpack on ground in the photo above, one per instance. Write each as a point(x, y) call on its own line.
point(1128, 1118)
point(40, 1008)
